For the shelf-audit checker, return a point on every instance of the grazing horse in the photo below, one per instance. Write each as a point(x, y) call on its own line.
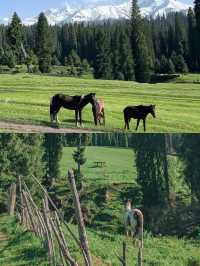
point(76, 103)
point(99, 112)
point(134, 223)
point(138, 112)
point(129, 220)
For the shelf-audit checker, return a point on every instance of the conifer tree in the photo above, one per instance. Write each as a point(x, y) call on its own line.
point(152, 171)
point(52, 155)
point(197, 16)
point(126, 58)
point(115, 43)
point(79, 158)
point(192, 41)
point(15, 35)
point(139, 45)
point(21, 155)
point(179, 36)
point(102, 66)
point(73, 59)
point(44, 44)
point(190, 154)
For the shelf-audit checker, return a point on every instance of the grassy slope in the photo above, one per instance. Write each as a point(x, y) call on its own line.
point(119, 165)
point(22, 248)
point(25, 98)
point(105, 243)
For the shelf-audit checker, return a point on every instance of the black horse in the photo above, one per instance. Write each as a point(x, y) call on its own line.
point(76, 103)
point(138, 112)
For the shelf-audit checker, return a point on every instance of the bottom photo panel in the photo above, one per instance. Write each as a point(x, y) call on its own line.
point(100, 199)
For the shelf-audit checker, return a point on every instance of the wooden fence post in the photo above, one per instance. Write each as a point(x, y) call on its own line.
point(64, 251)
point(124, 253)
point(12, 199)
point(22, 214)
point(79, 218)
point(140, 258)
point(46, 213)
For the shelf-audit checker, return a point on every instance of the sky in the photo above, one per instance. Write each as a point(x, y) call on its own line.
point(29, 8)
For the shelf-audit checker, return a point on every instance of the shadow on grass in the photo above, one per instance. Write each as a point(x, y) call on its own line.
point(29, 254)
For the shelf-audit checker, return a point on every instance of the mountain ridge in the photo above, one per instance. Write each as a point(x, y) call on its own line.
point(98, 10)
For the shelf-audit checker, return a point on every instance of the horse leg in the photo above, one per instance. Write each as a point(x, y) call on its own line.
point(80, 118)
point(94, 115)
point(76, 118)
point(144, 124)
point(126, 120)
point(55, 114)
point(138, 122)
point(104, 118)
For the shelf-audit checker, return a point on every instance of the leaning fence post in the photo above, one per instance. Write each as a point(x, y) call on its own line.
point(22, 213)
point(12, 199)
point(141, 236)
point(124, 253)
point(79, 218)
point(46, 214)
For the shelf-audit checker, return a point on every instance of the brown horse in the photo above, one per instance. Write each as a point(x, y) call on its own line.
point(99, 112)
point(76, 103)
point(138, 112)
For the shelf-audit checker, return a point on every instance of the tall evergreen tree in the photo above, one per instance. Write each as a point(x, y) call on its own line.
point(197, 16)
point(15, 35)
point(190, 154)
point(139, 45)
point(52, 155)
point(152, 171)
point(192, 40)
point(44, 44)
point(102, 65)
point(126, 58)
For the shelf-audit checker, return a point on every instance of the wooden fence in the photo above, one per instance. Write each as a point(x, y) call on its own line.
point(47, 222)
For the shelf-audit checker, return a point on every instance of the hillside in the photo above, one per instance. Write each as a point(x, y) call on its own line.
point(22, 248)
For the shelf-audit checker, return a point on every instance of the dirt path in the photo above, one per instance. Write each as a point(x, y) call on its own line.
point(26, 128)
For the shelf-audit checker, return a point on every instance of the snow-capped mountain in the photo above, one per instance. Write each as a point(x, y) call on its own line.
point(97, 10)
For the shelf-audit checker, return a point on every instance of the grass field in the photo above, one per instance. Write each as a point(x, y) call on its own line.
point(119, 165)
point(21, 248)
point(25, 99)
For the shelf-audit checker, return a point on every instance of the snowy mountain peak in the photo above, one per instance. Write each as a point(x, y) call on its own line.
point(96, 10)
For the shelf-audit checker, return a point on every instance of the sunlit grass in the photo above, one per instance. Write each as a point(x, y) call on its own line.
point(25, 98)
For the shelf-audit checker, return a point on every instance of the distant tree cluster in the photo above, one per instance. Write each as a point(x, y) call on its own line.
point(124, 50)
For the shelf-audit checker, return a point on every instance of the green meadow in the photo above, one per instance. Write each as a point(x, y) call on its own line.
point(25, 98)
point(19, 247)
point(118, 169)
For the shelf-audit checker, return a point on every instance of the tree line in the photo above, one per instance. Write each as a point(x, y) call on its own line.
point(39, 155)
point(131, 49)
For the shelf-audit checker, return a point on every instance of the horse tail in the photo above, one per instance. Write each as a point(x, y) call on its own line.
point(51, 105)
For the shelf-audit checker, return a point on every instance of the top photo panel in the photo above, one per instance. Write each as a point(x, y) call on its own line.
point(100, 66)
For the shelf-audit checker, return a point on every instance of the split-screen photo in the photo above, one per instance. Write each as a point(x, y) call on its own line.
point(100, 133)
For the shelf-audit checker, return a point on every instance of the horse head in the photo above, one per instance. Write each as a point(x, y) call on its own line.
point(91, 97)
point(153, 110)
